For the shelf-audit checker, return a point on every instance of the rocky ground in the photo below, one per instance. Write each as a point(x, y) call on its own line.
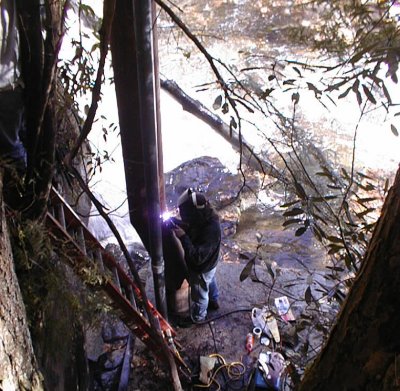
point(225, 333)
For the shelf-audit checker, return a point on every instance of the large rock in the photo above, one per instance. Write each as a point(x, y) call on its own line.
point(222, 188)
point(209, 175)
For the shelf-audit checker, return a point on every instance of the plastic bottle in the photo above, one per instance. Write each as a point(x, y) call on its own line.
point(249, 342)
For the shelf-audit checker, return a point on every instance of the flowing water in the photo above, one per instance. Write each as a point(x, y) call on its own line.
point(252, 37)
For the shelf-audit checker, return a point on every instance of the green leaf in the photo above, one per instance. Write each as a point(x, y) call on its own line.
point(335, 268)
point(217, 103)
point(270, 271)
point(334, 239)
point(312, 87)
point(355, 85)
point(318, 232)
point(386, 187)
point(292, 221)
point(297, 70)
point(87, 9)
point(364, 175)
point(266, 93)
point(368, 187)
point(387, 95)
point(359, 98)
point(300, 190)
point(344, 94)
point(348, 262)
point(320, 218)
point(95, 47)
point(361, 236)
point(365, 212)
point(296, 98)
point(289, 82)
point(247, 269)
point(308, 295)
point(357, 57)
point(336, 86)
point(225, 108)
point(294, 212)
point(324, 198)
point(369, 227)
point(368, 199)
point(394, 130)
point(345, 173)
point(289, 204)
point(233, 123)
point(334, 249)
point(368, 94)
point(300, 231)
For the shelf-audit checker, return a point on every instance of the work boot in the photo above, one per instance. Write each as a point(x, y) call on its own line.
point(213, 305)
point(184, 322)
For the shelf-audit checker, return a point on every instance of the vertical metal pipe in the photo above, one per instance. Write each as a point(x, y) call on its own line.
point(146, 82)
point(158, 108)
point(124, 59)
point(175, 266)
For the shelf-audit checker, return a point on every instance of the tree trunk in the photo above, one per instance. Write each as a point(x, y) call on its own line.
point(18, 368)
point(363, 348)
point(38, 57)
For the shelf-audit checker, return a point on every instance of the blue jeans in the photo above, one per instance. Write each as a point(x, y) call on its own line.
point(12, 127)
point(203, 288)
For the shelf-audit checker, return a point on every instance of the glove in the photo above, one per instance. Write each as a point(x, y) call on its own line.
point(178, 231)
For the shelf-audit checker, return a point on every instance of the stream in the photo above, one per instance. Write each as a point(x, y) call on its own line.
point(241, 34)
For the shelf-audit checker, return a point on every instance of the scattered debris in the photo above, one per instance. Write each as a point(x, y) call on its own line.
point(284, 310)
point(264, 320)
point(272, 366)
point(207, 365)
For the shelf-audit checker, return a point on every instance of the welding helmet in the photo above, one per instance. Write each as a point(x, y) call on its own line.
point(192, 198)
point(191, 205)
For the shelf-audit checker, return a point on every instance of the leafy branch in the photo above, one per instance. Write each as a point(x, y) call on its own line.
point(105, 33)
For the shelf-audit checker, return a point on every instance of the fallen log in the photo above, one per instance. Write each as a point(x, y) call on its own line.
point(196, 108)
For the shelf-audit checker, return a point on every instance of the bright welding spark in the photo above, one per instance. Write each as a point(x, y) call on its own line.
point(166, 215)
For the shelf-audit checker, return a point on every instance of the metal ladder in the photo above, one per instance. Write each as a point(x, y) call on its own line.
point(80, 244)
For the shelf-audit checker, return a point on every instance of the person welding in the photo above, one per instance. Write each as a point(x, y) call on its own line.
point(199, 232)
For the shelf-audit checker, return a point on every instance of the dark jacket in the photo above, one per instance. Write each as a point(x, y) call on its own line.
point(201, 244)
